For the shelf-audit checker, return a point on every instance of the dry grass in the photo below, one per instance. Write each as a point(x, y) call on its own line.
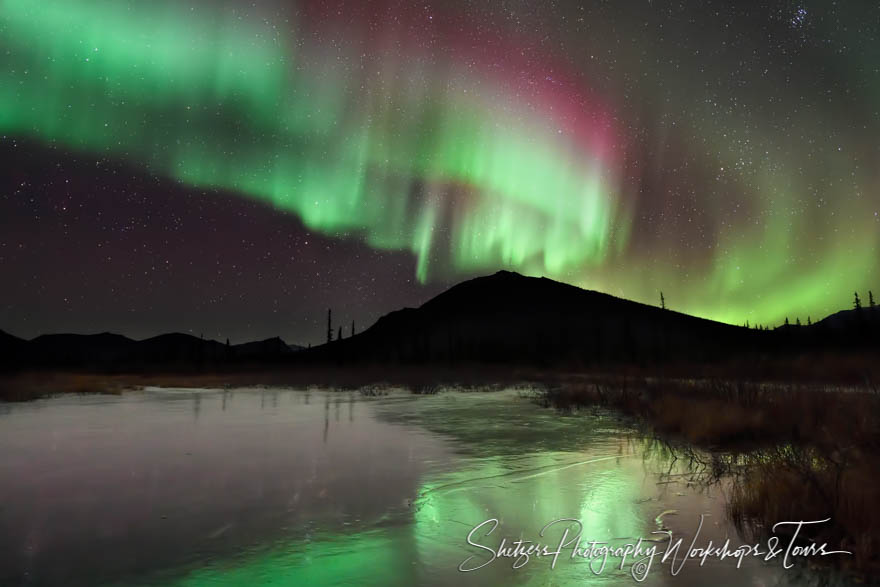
point(795, 484)
point(793, 451)
point(28, 386)
point(723, 413)
point(31, 385)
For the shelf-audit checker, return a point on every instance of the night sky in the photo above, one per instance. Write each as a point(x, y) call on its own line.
point(234, 168)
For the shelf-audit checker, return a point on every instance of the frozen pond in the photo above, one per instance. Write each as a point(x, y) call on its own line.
point(306, 487)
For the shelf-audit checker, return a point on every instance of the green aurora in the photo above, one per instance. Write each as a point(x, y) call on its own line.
point(433, 157)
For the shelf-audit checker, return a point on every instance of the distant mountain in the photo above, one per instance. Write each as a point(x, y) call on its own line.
point(177, 347)
point(507, 317)
point(107, 351)
point(10, 344)
point(850, 319)
point(271, 347)
point(502, 318)
point(70, 349)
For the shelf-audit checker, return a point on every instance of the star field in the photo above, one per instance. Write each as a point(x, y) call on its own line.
point(233, 168)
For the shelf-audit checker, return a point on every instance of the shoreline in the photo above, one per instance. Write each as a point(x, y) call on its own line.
point(793, 450)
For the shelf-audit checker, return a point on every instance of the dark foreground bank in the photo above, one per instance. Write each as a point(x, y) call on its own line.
point(792, 451)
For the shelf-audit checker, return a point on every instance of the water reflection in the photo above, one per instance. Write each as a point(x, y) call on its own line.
point(262, 486)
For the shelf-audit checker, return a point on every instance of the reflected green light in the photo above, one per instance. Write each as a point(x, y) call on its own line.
point(372, 557)
point(427, 549)
point(516, 473)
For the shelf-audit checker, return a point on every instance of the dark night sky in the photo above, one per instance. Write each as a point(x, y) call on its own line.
point(235, 168)
point(94, 248)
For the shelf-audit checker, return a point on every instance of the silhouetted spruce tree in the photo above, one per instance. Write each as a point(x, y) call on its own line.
point(329, 325)
point(870, 299)
point(352, 327)
point(857, 303)
point(662, 301)
point(786, 320)
point(797, 321)
point(339, 336)
point(809, 322)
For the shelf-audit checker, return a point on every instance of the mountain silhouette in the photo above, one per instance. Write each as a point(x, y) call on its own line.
point(508, 317)
point(851, 319)
point(504, 318)
point(114, 352)
point(10, 345)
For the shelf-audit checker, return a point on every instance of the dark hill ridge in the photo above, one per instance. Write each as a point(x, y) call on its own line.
point(510, 317)
point(851, 319)
point(265, 348)
point(58, 349)
point(107, 351)
point(501, 318)
point(10, 344)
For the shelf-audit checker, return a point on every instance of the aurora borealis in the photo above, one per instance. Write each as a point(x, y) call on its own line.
point(726, 156)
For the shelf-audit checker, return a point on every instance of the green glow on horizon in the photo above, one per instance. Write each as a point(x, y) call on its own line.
point(464, 176)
